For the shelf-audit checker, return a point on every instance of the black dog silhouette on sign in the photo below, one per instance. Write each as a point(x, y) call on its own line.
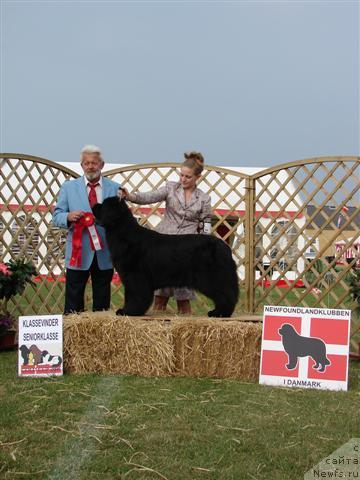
point(297, 346)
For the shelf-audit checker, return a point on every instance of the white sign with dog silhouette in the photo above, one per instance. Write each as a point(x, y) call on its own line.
point(40, 346)
point(305, 347)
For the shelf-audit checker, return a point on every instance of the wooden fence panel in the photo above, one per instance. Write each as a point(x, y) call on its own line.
point(293, 229)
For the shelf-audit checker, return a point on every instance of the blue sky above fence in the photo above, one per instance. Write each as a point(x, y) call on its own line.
point(246, 83)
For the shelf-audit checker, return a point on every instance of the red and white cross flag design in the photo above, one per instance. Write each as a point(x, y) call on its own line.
point(316, 355)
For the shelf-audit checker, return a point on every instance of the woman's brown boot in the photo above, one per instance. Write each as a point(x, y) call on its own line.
point(160, 303)
point(184, 306)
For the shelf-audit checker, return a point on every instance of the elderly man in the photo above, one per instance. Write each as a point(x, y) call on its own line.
point(86, 248)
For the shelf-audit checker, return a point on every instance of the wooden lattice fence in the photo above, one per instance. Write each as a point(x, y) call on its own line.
point(29, 187)
point(310, 241)
point(293, 229)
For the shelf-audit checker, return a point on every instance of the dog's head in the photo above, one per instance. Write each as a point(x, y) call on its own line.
point(111, 212)
point(24, 349)
point(286, 329)
point(35, 349)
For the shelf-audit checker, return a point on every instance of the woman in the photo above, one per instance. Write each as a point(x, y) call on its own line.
point(188, 210)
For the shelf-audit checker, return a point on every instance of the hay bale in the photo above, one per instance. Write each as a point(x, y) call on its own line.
point(217, 348)
point(104, 343)
point(166, 345)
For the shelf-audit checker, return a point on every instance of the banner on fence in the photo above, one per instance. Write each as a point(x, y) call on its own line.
point(40, 346)
point(305, 347)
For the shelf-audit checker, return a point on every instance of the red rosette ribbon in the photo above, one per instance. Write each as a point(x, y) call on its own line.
point(86, 221)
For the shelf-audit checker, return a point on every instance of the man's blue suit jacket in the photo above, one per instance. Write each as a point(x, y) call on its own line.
point(73, 196)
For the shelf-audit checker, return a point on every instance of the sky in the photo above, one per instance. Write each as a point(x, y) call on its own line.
point(247, 83)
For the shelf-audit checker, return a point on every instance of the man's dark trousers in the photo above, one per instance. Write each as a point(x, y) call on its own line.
point(75, 288)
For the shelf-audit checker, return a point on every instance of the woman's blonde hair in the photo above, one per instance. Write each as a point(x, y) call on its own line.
point(195, 161)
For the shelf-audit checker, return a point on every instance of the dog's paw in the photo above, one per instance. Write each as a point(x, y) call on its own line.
point(120, 311)
point(213, 313)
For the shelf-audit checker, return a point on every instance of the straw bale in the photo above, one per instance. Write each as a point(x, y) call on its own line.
point(166, 345)
point(104, 343)
point(217, 348)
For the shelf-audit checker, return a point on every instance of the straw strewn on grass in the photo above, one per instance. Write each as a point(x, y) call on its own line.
point(200, 347)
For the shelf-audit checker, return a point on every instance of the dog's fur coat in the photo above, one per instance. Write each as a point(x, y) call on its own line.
point(147, 260)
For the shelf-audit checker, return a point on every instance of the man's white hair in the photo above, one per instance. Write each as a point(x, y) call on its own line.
point(90, 149)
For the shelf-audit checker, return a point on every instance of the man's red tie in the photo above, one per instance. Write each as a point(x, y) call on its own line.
point(92, 193)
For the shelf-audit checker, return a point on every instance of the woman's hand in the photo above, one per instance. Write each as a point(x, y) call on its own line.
point(123, 193)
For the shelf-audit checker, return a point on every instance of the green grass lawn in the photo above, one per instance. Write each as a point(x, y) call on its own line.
point(125, 427)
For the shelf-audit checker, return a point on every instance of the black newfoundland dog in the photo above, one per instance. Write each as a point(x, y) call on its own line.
point(147, 260)
point(296, 346)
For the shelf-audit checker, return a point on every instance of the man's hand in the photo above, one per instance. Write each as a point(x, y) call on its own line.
point(74, 216)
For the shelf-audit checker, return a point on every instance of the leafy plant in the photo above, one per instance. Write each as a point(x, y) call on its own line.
point(354, 284)
point(315, 271)
point(14, 276)
point(6, 323)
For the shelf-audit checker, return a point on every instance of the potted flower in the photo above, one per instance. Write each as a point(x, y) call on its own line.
point(14, 276)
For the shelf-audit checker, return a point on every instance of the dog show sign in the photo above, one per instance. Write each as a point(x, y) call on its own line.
point(40, 346)
point(305, 347)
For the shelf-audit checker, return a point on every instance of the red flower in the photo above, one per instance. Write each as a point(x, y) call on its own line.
point(4, 269)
